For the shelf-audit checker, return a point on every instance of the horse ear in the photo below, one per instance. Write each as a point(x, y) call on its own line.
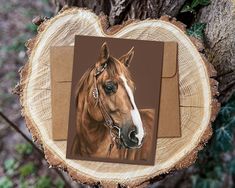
point(127, 58)
point(104, 53)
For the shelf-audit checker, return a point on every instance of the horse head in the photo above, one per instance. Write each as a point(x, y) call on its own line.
point(114, 87)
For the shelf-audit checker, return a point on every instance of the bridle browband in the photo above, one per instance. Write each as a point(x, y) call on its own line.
point(115, 131)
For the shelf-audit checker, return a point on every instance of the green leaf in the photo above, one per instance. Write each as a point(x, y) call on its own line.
point(44, 182)
point(204, 2)
point(195, 3)
point(32, 27)
point(5, 182)
point(226, 113)
point(232, 122)
point(231, 167)
point(187, 8)
point(18, 44)
point(197, 30)
point(213, 183)
point(24, 149)
point(223, 139)
point(205, 182)
point(211, 164)
point(10, 165)
point(194, 180)
point(190, 6)
point(214, 172)
point(27, 169)
point(23, 183)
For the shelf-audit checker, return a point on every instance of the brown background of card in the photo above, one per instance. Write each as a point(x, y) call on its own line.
point(146, 70)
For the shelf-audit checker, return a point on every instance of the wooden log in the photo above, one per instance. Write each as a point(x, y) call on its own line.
point(220, 43)
point(197, 97)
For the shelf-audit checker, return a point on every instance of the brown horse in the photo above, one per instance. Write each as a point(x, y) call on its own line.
point(108, 122)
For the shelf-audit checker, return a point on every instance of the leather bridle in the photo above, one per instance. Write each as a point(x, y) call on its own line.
point(115, 130)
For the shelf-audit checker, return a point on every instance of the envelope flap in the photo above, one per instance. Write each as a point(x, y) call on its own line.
point(169, 59)
point(61, 58)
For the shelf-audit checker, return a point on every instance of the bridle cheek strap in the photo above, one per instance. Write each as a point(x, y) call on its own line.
point(109, 122)
point(115, 131)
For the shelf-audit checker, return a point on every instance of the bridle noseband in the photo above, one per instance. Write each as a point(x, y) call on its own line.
point(115, 130)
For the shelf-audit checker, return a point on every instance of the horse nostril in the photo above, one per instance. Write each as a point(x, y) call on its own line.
point(132, 136)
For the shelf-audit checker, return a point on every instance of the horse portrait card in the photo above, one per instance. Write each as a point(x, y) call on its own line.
point(115, 99)
point(61, 61)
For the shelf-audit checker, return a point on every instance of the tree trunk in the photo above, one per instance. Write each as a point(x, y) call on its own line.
point(122, 10)
point(219, 17)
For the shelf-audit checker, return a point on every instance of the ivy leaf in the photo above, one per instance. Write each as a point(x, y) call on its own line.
point(32, 27)
point(226, 112)
point(231, 167)
point(232, 122)
point(27, 169)
point(211, 165)
point(198, 182)
point(213, 183)
point(24, 148)
point(204, 2)
point(187, 8)
point(18, 44)
point(194, 180)
point(10, 165)
point(197, 30)
point(44, 182)
point(223, 138)
point(215, 172)
point(23, 183)
point(5, 182)
point(195, 3)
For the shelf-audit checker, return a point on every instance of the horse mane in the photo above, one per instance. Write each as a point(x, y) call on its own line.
point(113, 69)
point(84, 82)
point(87, 78)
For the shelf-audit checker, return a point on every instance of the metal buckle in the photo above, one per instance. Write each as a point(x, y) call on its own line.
point(95, 93)
point(109, 122)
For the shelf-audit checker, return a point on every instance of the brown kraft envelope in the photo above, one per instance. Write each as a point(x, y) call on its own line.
point(61, 59)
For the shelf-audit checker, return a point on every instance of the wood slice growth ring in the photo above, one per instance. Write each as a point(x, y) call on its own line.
point(197, 90)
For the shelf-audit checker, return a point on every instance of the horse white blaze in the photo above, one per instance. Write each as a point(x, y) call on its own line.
point(134, 112)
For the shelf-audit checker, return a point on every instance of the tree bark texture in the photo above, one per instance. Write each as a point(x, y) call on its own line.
point(220, 43)
point(122, 10)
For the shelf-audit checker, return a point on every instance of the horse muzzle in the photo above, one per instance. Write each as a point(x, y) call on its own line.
point(130, 140)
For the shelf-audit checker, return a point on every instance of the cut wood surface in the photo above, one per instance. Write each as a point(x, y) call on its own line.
point(197, 90)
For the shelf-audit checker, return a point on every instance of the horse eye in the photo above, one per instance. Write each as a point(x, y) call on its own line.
point(110, 87)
